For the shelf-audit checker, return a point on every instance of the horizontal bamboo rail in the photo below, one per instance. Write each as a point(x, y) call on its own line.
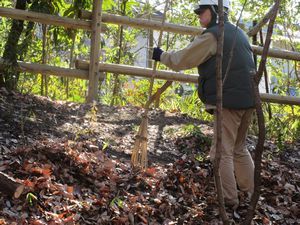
point(123, 20)
point(289, 100)
point(277, 53)
point(139, 71)
point(43, 18)
point(142, 23)
point(150, 24)
point(173, 76)
point(48, 70)
point(82, 73)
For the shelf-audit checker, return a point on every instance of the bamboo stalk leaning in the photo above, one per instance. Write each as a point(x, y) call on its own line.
point(260, 118)
point(139, 157)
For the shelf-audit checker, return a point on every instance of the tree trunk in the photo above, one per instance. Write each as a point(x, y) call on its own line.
point(8, 78)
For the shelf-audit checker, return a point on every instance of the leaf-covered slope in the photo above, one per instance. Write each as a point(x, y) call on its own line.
point(74, 160)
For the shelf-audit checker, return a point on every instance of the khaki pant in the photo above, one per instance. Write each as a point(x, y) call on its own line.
point(236, 165)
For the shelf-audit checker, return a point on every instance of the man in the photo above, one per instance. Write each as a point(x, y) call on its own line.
point(236, 166)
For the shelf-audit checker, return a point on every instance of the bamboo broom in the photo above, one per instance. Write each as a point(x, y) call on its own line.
point(139, 156)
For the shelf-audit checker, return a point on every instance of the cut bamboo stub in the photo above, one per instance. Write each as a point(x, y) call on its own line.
point(9, 186)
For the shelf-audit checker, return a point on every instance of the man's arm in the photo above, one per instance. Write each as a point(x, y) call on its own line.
point(198, 51)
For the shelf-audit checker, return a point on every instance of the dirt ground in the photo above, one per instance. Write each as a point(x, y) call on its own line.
point(74, 160)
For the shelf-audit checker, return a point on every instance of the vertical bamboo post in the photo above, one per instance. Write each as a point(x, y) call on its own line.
point(94, 73)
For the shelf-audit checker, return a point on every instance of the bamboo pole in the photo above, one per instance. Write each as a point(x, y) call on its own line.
point(277, 53)
point(134, 22)
point(154, 25)
point(173, 76)
point(49, 70)
point(45, 18)
point(94, 73)
point(139, 71)
point(288, 100)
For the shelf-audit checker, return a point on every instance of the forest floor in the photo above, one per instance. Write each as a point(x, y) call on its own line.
point(74, 160)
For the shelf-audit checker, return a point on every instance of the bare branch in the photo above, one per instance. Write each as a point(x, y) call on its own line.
point(264, 20)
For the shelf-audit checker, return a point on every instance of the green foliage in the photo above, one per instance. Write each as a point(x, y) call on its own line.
point(6, 3)
point(31, 198)
point(106, 144)
point(194, 138)
point(116, 202)
point(284, 126)
point(192, 130)
point(189, 104)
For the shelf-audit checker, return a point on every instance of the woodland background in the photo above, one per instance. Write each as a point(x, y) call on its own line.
point(40, 135)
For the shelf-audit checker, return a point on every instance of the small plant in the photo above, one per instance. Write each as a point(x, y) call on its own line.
point(199, 157)
point(284, 126)
point(116, 202)
point(105, 144)
point(31, 198)
point(195, 131)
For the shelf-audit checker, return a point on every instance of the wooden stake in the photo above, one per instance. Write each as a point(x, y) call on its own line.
point(95, 51)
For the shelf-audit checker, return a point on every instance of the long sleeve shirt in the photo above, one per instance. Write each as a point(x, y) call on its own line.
point(197, 52)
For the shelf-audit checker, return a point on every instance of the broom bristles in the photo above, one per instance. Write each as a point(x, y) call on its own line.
point(139, 153)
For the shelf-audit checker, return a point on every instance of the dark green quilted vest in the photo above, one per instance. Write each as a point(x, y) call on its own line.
point(237, 90)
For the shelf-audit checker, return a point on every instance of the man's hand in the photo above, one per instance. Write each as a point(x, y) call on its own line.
point(157, 53)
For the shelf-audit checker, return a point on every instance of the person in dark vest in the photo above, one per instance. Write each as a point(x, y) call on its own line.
point(236, 166)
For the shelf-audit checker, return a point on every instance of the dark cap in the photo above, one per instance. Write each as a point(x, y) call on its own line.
point(200, 8)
